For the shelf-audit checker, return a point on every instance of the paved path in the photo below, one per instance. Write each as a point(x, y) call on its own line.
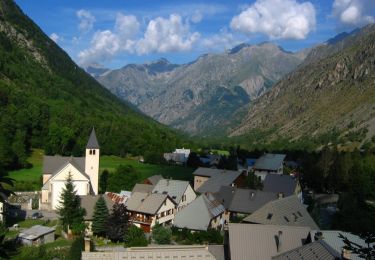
point(47, 215)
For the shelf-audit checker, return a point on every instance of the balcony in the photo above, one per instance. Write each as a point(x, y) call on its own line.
point(144, 220)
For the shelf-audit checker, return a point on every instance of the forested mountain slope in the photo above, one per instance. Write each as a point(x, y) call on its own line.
point(47, 101)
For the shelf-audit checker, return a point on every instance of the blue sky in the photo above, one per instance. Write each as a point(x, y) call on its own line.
point(115, 33)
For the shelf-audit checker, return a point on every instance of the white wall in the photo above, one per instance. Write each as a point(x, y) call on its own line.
point(190, 196)
point(92, 167)
point(81, 184)
point(164, 208)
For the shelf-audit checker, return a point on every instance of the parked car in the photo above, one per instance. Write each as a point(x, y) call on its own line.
point(36, 215)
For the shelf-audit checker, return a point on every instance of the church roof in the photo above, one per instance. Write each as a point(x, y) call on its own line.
point(93, 141)
point(51, 164)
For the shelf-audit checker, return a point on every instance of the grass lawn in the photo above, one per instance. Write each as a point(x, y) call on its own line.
point(29, 179)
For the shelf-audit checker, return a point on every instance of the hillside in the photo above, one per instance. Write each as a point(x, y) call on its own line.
point(333, 95)
point(208, 95)
point(47, 101)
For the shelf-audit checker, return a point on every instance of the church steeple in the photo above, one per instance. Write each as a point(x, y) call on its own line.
point(92, 161)
point(93, 141)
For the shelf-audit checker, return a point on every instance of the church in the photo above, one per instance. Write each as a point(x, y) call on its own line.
point(84, 172)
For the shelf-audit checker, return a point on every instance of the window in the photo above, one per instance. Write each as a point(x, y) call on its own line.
point(165, 203)
point(90, 152)
point(269, 216)
point(93, 152)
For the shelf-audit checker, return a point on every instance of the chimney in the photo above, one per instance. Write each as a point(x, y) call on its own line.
point(278, 241)
point(346, 254)
point(318, 236)
point(87, 244)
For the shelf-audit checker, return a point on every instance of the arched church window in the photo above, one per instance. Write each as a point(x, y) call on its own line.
point(90, 152)
point(93, 152)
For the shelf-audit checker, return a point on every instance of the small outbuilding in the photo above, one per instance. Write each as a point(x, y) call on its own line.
point(37, 235)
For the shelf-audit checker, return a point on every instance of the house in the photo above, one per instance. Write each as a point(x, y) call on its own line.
point(252, 241)
point(311, 251)
point(145, 188)
point(118, 198)
point(84, 172)
point(37, 235)
point(180, 191)
point(282, 184)
point(2, 211)
point(210, 160)
point(331, 238)
point(179, 156)
point(152, 180)
point(287, 211)
point(210, 180)
point(186, 252)
point(147, 209)
point(243, 201)
point(249, 163)
point(88, 203)
point(269, 163)
point(205, 212)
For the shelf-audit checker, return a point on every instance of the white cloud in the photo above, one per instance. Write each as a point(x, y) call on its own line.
point(86, 20)
point(127, 25)
point(220, 41)
point(167, 35)
point(55, 37)
point(104, 45)
point(354, 12)
point(278, 19)
point(196, 17)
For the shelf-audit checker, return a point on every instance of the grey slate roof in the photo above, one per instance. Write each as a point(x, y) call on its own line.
point(154, 179)
point(51, 164)
point(243, 200)
point(174, 188)
point(160, 252)
point(208, 172)
point(253, 241)
point(287, 211)
point(331, 237)
point(35, 232)
point(269, 161)
point(88, 203)
point(145, 188)
point(145, 202)
point(311, 251)
point(222, 178)
point(198, 214)
point(280, 183)
point(93, 141)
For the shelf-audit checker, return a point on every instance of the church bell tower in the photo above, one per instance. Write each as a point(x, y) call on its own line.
point(92, 161)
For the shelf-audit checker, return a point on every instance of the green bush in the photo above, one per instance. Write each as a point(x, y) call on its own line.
point(161, 235)
point(135, 237)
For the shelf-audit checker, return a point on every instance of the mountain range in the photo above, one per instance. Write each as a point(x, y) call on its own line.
point(332, 91)
point(206, 96)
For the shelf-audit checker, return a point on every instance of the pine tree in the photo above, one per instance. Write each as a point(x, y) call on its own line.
point(117, 224)
point(70, 211)
point(100, 217)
